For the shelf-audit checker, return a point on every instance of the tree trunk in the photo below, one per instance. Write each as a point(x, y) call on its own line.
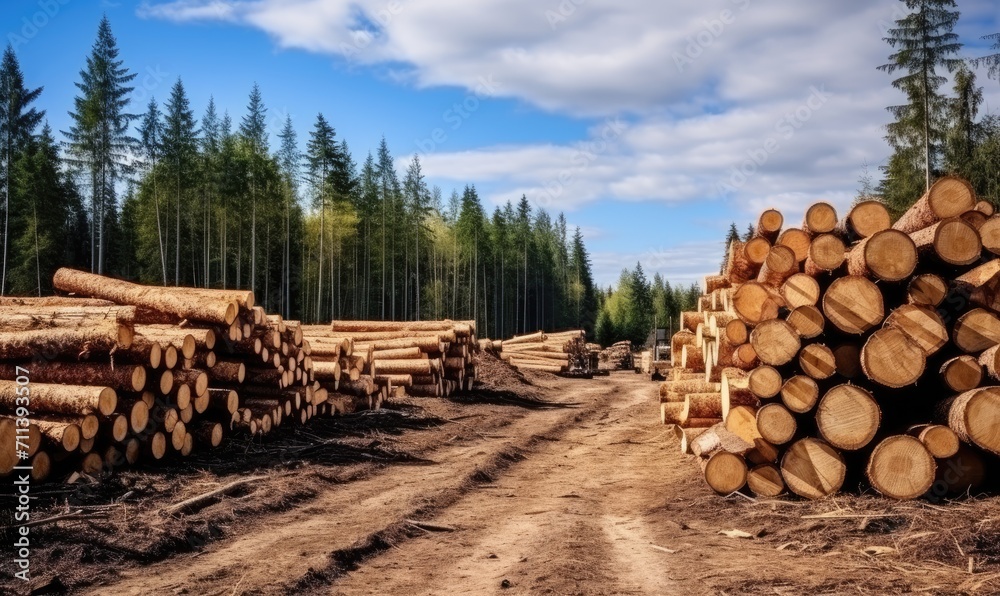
point(62, 399)
point(948, 197)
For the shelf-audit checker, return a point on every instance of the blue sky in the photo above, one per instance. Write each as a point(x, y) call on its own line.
point(631, 117)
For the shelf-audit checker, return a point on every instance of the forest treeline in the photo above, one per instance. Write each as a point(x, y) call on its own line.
point(169, 197)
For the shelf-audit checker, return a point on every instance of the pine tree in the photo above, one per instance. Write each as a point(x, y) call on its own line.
point(751, 231)
point(321, 158)
point(923, 41)
point(17, 126)
point(732, 236)
point(961, 137)
point(991, 61)
point(290, 160)
point(417, 206)
point(584, 291)
point(151, 148)
point(180, 147)
point(99, 142)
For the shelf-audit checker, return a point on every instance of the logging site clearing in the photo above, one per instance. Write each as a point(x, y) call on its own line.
point(534, 484)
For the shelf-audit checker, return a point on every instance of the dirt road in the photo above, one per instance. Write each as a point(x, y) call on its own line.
point(512, 498)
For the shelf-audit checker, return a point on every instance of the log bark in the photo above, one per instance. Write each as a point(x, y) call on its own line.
point(813, 469)
point(717, 438)
point(739, 269)
point(888, 255)
point(800, 394)
point(735, 391)
point(853, 304)
point(27, 318)
point(65, 435)
point(671, 412)
point(66, 343)
point(776, 424)
point(818, 361)
point(764, 480)
point(900, 467)
point(693, 358)
point(975, 417)
point(119, 378)
point(927, 289)
point(701, 405)
point(866, 218)
point(826, 253)
point(948, 197)
point(889, 358)
point(920, 324)
point(848, 417)
point(776, 342)
point(62, 399)
point(184, 306)
point(808, 321)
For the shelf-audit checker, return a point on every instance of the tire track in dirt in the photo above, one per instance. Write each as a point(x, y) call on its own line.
point(346, 524)
point(567, 519)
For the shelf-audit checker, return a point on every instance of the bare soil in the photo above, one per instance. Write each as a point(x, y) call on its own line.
point(533, 485)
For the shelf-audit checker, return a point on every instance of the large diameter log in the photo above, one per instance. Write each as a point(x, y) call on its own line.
point(797, 240)
point(954, 241)
point(922, 325)
point(889, 358)
point(800, 394)
point(820, 218)
point(69, 343)
point(889, 255)
point(726, 472)
point(853, 304)
point(807, 320)
point(826, 253)
point(975, 417)
point(776, 342)
point(927, 289)
point(779, 265)
point(940, 441)
point(61, 399)
point(818, 361)
point(976, 331)
point(27, 318)
point(800, 290)
point(764, 480)
point(754, 303)
point(776, 424)
point(964, 373)
point(866, 218)
point(120, 378)
point(813, 469)
point(848, 417)
point(182, 305)
point(900, 467)
point(948, 197)
point(765, 382)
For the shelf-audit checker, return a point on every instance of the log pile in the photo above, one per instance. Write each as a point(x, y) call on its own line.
point(618, 356)
point(386, 358)
point(557, 353)
point(119, 372)
point(858, 352)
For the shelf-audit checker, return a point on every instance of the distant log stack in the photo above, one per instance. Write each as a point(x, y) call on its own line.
point(556, 353)
point(618, 356)
point(871, 359)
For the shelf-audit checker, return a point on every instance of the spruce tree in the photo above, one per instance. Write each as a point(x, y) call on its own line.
point(17, 126)
point(923, 41)
point(991, 61)
point(961, 137)
point(180, 148)
point(151, 150)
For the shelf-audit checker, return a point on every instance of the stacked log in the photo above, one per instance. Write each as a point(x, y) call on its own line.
point(872, 361)
point(557, 353)
point(417, 358)
point(618, 356)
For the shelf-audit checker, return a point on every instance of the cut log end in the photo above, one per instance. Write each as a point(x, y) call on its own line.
point(726, 472)
point(848, 417)
point(813, 469)
point(900, 467)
